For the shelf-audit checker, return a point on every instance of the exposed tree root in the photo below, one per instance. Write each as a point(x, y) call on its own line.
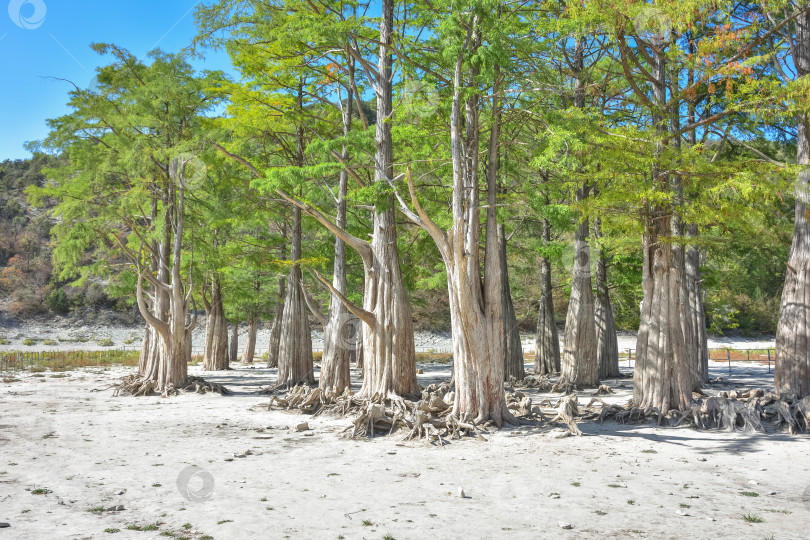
point(539, 382)
point(429, 419)
point(563, 387)
point(745, 410)
point(133, 385)
point(603, 390)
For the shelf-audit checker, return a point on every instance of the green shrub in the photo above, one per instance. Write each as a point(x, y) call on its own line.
point(57, 301)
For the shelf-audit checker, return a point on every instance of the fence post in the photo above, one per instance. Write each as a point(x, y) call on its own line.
point(769, 360)
point(728, 357)
point(749, 354)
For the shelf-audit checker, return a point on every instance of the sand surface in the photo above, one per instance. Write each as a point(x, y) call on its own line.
point(90, 450)
point(72, 337)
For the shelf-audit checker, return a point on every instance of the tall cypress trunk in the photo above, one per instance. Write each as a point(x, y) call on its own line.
point(250, 344)
point(685, 314)
point(233, 344)
point(338, 335)
point(389, 363)
point(476, 306)
point(700, 337)
point(295, 345)
point(792, 371)
point(697, 314)
point(275, 328)
point(170, 370)
point(216, 331)
point(547, 343)
point(662, 378)
point(607, 343)
point(513, 349)
point(579, 367)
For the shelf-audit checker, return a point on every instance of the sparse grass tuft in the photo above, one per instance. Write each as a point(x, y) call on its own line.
point(575, 484)
point(29, 342)
point(220, 522)
point(106, 342)
point(50, 342)
point(367, 523)
point(749, 494)
point(111, 530)
point(649, 451)
point(41, 491)
point(751, 518)
point(631, 501)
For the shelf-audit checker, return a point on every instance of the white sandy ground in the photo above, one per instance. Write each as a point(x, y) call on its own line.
point(65, 336)
point(91, 449)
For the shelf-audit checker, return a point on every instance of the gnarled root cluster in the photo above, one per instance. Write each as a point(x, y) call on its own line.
point(133, 385)
point(746, 411)
point(540, 382)
point(429, 419)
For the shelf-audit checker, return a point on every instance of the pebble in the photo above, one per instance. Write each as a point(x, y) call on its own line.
point(564, 525)
point(461, 492)
point(3, 525)
point(116, 508)
point(303, 426)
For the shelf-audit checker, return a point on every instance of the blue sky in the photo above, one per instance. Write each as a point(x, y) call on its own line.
point(56, 44)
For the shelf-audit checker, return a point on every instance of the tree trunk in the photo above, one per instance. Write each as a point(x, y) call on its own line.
point(275, 328)
point(607, 344)
point(513, 349)
point(547, 343)
point(295, 346)
point(339, 333)
point(389, 367)
point(662, 378)
point(173, 333)
point(579, 365)
point(358, 341)
point(216, 332)
point(476, 315)
point(233, 345)
point(250, 344)
point(389, 363)
point(792, 371)
point(697, 314)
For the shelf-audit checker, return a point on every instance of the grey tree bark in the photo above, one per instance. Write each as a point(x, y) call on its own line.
point(216, 330)
point(607, 343)
point(275, 328)
point(513, 349)
point(792, 370)
point(696, 312)
point(389, 367)
point(662, 378)
point(174, 353)
point(547, 342)
point(476, 304)
point(233, 344)
point(338, 334)
point(295, 345)
point(579, 366)
point(250, 342)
